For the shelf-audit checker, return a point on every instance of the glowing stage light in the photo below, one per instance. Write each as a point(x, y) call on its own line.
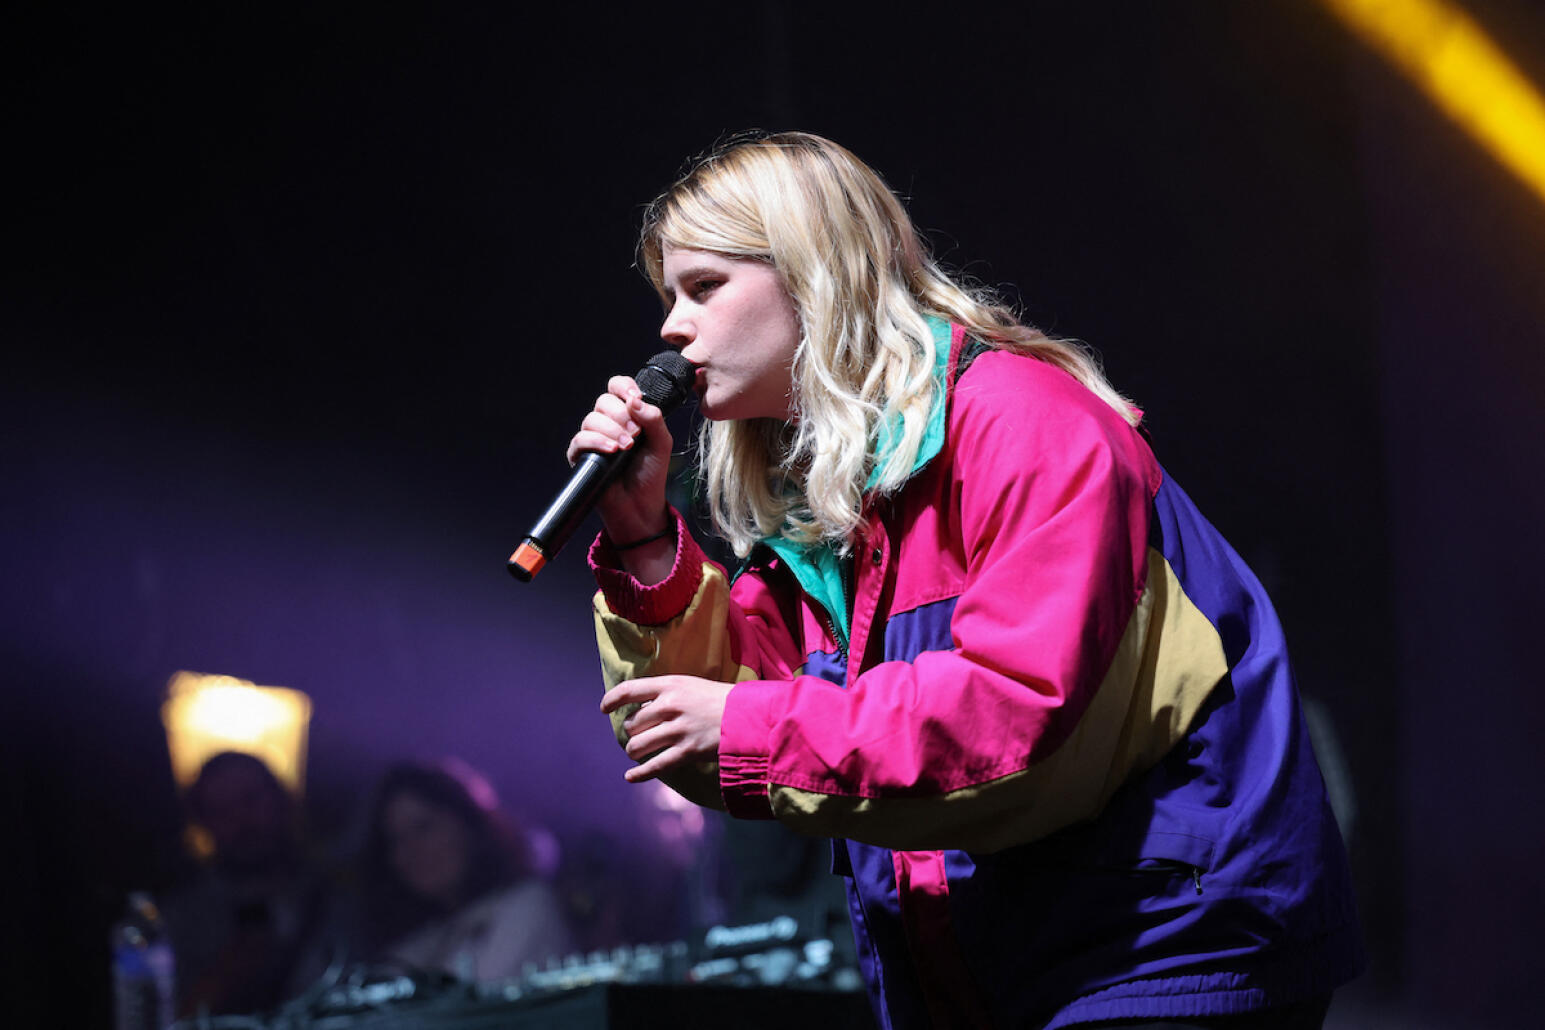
point(1467, 75)
point(205, 715)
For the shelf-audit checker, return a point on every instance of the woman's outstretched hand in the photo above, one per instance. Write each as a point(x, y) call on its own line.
point(676, 725)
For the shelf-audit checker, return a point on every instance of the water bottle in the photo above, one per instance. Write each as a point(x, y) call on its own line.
point(142, 968)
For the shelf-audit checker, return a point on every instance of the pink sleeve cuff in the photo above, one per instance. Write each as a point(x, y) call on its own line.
point(743, 759)
point(642, 603)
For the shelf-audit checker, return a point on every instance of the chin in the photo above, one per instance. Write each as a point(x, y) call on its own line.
point(716, 411)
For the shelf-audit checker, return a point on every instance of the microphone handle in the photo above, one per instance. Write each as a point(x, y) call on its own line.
point(665, 381)
point(591, 475)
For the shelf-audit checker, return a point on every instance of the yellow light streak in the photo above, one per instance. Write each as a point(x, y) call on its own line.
point(1467, 75)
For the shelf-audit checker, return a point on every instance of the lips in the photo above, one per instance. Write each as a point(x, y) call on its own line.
point(700, 381)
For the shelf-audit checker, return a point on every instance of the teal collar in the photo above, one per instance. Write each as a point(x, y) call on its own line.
point(818, 568)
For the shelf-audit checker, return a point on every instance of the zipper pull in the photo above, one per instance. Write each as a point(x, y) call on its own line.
point(1196, 877)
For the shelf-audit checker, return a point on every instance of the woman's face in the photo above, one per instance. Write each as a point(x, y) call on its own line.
point(733, 319)
point(428, 847)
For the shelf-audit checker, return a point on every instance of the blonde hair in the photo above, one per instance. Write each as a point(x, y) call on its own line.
point(864, 286)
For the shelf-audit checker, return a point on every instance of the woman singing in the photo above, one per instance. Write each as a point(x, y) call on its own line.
point(979, 638)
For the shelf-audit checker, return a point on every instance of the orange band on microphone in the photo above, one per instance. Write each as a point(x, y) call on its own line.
point(527, 560)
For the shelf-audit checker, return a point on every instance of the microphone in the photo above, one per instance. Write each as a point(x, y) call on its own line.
point(665, 381)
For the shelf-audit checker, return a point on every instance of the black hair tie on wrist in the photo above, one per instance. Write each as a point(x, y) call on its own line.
point(667, 531)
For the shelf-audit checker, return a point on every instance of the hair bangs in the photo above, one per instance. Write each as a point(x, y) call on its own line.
point(716, 208)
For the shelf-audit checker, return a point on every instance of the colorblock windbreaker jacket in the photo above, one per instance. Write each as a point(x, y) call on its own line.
point(1055, 736)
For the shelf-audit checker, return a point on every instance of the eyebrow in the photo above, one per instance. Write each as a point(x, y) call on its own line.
point(692, 271)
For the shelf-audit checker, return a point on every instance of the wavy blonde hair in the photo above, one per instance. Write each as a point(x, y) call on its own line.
point(863, 285)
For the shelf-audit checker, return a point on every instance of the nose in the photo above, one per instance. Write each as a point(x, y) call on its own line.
point(677, 330)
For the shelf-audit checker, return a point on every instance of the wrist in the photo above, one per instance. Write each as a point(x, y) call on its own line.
point(646, 552)
point(653, 584)
point(630, 545)
point(628, 532)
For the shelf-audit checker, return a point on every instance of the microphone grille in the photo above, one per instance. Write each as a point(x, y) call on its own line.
point(665, 380)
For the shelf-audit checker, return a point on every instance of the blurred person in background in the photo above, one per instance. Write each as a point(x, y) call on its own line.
point(242, 930)
point(448, 880)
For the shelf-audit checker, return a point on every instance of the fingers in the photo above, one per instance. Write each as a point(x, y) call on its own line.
point(617, 430)
point(608, 428)
point(646, 742)
point(646, 716)
point(652, 727)
point(623, 387)
point(649, 418)
point(669, 721)
point(615, 410)
point(631, 692)
point(658, 765)
point(626, 398)
point(617, 419)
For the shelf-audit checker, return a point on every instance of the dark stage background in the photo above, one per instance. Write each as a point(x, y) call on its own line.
point(304, 304)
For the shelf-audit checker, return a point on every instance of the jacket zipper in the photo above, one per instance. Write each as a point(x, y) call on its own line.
point(831, 630)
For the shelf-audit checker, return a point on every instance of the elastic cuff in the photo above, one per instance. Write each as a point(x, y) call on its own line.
point(649, 604)
point(743, 785)
point(743, 758)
